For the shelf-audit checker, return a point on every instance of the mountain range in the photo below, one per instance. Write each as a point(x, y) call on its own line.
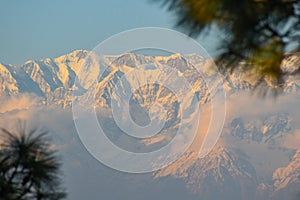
point(257, 156)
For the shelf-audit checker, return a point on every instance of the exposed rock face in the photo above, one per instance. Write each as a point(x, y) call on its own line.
point(225, 173)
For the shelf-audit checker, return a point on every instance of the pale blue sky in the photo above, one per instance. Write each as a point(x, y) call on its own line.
point(35, 29)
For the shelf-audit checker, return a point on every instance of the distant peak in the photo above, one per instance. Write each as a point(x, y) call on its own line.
point(29, 61)
point(78, 52)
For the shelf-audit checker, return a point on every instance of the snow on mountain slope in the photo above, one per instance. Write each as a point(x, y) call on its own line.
point(291, 62)
point(8, 85)
point(45, 76)
point(292, 86)
point(226, 173)
point(261, 138)
point(72, 61)
point(223, 174)
point(24, 82)
point(287, 180)
point(264, 130)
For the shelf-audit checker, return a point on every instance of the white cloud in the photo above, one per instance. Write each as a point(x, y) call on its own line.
point(293, 141)
point(17, 102)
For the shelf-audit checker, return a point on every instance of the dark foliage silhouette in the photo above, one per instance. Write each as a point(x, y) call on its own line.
point(29, 167)
point(259, 33)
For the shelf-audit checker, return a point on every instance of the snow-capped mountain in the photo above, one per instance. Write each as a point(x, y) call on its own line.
point(265, 130)
point(52, 78)
point(287, 179)
point(8, 83)
point(225, 173)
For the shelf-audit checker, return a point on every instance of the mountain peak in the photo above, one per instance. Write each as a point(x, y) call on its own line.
point(78, 53)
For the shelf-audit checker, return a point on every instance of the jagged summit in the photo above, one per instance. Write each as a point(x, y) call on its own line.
point(49, 74)
point(224, 173)
point(287, 178)
point(53, 78)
